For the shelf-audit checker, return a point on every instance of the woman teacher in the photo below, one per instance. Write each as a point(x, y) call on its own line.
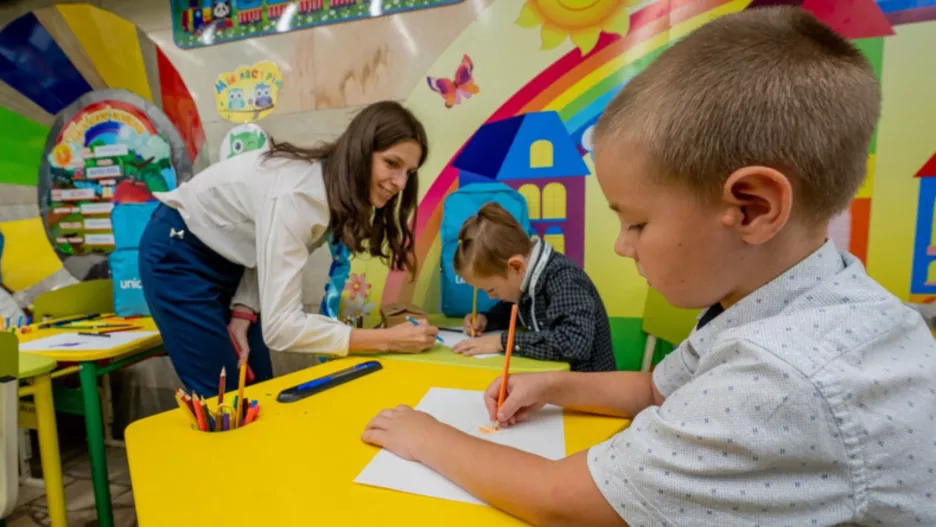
point(226, 250)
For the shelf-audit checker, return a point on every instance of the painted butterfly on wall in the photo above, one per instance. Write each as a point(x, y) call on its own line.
point(452, 90)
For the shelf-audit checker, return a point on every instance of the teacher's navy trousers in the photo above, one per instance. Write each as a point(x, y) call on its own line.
point(188, 288)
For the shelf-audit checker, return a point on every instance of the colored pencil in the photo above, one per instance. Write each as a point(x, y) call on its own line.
point(510, 340)
point(252, 414)
point(185, 409)
point(226, 421)
point(242, 378)
point(202, 425)
point(415, 322)
point(474, 312)
point(221, 385)
point(118, 330)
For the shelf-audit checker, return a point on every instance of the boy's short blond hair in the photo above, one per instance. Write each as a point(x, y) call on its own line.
point(768, 86)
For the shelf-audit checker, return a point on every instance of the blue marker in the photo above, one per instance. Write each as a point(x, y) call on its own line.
point(321, 384)
point(415, 322)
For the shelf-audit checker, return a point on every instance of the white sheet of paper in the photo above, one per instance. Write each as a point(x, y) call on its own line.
point(76, 342)
point(543, 434)
point(452, 337)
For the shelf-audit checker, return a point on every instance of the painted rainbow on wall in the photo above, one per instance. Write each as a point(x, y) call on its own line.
point(578, 88)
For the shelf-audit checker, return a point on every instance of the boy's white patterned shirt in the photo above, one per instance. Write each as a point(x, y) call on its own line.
point(810, 402)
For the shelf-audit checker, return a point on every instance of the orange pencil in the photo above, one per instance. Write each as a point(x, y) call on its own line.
point(510, 340)
point(474, 313)
point(240, 393)
point(202, 418)
point(252, 414)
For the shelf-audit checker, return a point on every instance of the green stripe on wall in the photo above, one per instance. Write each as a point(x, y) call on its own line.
point(21, 145)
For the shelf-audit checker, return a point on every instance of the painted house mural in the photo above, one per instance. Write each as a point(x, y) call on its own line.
point(535, 155)
point(923, 276)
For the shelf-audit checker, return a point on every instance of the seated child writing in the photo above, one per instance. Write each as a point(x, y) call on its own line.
point(806, 395)
point(558, 303)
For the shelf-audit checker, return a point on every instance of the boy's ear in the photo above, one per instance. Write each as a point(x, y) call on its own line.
point(516, 263)
point(760, 200)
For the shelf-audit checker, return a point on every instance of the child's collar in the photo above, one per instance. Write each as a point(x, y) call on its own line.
point(774, 297)
point(535, 262)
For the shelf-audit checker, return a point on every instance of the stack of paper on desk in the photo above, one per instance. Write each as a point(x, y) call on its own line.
point(543, 434)
point(451, 337)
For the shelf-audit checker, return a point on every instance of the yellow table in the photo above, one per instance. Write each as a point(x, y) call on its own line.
point(296, 465)
point(89, 370)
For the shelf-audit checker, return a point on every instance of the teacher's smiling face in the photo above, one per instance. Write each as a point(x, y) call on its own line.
point(390, 170)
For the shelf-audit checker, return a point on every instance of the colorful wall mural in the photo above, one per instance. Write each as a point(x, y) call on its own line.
point(531, 77)
point(530, 127)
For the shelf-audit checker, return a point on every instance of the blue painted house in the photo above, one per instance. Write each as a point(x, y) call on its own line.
point(534, 154)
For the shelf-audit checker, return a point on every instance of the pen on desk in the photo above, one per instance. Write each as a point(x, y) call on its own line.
point(507, 352)
point(415, 322)
point(90, 334)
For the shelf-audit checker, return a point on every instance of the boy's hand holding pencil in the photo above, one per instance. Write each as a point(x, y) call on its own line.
point(475, 325)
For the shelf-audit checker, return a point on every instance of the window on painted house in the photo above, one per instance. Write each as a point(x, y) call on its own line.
point(541, 154)
point(554, 202)
point(531, 194)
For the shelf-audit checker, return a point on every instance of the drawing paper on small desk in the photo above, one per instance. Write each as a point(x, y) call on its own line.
point(543, 434)
point(451, 337)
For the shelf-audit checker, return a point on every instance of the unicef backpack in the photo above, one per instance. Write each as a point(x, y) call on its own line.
point(458, 207)
point(128, 221)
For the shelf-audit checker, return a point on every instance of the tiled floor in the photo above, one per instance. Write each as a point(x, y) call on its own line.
point(79, 494)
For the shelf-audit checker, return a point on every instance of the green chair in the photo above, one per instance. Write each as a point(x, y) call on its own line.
point(83, 298)
point(665, 326)
point(9, 403)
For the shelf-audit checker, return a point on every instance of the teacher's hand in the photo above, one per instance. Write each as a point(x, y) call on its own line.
point(409, 338)
point(238, 328)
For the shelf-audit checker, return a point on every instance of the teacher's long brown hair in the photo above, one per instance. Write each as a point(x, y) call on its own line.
point(384, 232)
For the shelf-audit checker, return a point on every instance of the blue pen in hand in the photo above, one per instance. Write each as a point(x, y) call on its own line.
point(415, 322)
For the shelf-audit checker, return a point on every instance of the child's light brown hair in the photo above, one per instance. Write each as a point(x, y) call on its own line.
point(767, 86)
point(486, 241)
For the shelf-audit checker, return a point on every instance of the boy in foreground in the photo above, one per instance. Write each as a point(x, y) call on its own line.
point(806, 394)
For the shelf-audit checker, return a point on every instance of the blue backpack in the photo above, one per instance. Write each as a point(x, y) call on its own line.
point(128, 221)
point(458, 207)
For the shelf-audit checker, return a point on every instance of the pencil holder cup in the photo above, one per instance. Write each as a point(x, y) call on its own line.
point(224, 419)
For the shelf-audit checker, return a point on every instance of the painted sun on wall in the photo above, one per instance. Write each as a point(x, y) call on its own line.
point(530, 128)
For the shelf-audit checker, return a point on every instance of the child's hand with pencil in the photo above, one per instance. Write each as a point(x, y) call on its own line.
point(475, 329)
point(526, 393)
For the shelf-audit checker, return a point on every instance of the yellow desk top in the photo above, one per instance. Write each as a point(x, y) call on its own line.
point(296, 465)
point(443, 355)
point(65, 355)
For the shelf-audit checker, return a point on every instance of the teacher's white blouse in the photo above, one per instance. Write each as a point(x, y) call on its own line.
point(266, 215)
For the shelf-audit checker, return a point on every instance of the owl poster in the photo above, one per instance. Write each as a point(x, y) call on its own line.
point(249, 93)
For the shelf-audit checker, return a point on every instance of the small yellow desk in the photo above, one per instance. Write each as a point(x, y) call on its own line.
point(89, 370)
point(296, 465)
